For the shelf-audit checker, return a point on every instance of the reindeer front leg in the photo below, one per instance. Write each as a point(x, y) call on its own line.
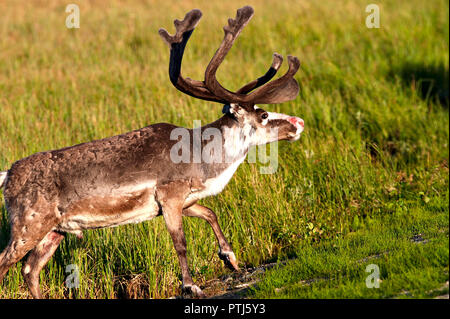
point(171, 198)
point(225, 251)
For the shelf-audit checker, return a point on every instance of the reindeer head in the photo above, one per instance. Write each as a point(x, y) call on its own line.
point(264, 127)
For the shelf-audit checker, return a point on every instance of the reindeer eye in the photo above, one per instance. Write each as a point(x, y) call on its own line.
point(264, 116)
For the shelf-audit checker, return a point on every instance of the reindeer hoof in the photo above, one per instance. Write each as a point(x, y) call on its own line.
point(229, 259)
point(192, 291)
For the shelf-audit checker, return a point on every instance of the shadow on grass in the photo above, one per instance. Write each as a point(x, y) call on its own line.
point(430, 81)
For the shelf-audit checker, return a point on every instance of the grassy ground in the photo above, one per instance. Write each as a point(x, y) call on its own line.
point(369, 173)
point(409, 249)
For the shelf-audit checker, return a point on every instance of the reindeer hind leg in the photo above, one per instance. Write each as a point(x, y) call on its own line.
point(16, 249)
point(13, 252)
point(28, 228)
point(37, 259)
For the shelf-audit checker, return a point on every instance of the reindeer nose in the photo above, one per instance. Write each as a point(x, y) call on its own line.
point(296, 121)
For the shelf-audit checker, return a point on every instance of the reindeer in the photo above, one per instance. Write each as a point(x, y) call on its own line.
point(130, 178)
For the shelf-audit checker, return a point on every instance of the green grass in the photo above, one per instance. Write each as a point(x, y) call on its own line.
point(337, 269)
point(370, 171)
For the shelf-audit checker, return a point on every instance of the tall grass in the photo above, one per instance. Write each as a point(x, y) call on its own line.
point(375, 104)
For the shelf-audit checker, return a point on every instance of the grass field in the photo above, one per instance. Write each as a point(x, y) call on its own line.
point(369, 174)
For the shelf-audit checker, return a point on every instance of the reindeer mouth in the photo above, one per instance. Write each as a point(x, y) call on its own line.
point(299, 125)
point(294, 136)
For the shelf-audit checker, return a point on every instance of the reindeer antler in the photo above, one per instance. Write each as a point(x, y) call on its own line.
point(281, 90)
point(276, 63)
point(177, 44)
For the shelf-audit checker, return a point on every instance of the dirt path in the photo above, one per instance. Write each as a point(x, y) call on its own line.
point(236, 285)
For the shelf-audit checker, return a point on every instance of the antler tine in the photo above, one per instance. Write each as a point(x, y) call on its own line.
point(189, 23)
point(283, 89)
point(177, 44)
point(276, 63)
point(280, 90)
point(232, 31)
point(235, 26)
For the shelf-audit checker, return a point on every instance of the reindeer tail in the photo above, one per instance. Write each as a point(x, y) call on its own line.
point(2, 178)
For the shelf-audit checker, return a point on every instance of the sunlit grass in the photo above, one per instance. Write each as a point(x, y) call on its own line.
point(375, 140)
point(409, 249)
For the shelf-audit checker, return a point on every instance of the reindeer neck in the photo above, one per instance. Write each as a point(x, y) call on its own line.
point(235, 137)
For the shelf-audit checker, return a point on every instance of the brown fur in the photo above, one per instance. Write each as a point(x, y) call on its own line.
point(104, 205)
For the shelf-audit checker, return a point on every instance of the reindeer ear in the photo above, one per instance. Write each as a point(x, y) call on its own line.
point(234, 108)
